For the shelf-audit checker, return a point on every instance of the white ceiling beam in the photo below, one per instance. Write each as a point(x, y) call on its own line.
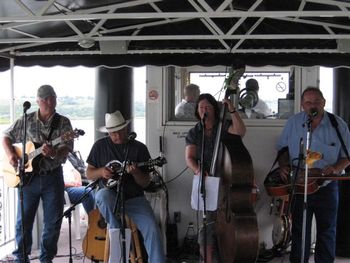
point(257, 23)
point(329, 2)
point(24, 7)
point(46, 7)
point(212, 27)
point(180, 51)
point(223, 5)
point(142, 25)
point(155, 15)
point(175, 37)
point(242, 19)
point(312, 22)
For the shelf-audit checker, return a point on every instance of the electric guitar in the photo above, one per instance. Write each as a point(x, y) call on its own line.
point(117, 167)
point(11, 174)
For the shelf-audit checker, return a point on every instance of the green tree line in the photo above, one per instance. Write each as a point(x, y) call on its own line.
point(75, 108)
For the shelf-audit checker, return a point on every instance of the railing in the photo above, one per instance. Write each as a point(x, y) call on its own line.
point(8, 205)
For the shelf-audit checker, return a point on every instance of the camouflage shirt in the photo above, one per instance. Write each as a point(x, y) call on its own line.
point(38, 133)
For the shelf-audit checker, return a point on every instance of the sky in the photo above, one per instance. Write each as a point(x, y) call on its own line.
point(75, 81)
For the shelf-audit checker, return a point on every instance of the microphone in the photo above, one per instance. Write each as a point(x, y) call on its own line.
point(313, 113)
point(132, 136)
point(160, 144)
point(205, 115)
point(26, 106)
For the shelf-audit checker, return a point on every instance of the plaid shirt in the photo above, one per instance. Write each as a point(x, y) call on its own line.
point(38, 133)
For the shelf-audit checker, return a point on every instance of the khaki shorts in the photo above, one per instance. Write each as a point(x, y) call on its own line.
point(210, 229)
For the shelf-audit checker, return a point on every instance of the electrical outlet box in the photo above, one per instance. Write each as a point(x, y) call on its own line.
point(177, 217)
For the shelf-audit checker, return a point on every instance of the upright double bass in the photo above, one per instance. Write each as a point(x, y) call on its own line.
point(236, 224)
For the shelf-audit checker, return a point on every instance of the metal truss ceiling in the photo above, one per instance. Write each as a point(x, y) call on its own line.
point(174, 27)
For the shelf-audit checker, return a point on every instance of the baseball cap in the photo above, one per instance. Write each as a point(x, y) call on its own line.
point(45, 91)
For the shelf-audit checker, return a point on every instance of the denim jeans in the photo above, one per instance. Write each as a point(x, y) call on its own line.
point(324, 205)
point(140, 211)
point(75, 193)
point(50, 189)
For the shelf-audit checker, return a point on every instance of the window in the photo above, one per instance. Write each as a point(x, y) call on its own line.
point(326, 86)
point(263, 94)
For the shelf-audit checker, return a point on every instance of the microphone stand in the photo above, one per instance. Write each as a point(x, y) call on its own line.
point(21, 182)
point(294, 177)
point(120, 202)
point(305, 189)
point(203, 192)
point(68, 214)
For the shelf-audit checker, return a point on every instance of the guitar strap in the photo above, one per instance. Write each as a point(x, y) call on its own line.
point(54, 124)
point(36, 163)
point(335, 125)
point(279, 154)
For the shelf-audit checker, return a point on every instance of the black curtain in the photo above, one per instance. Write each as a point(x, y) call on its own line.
point(341, 83)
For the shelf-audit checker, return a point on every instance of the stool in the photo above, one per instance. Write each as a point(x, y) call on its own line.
point(135, 254)
point(76, 215)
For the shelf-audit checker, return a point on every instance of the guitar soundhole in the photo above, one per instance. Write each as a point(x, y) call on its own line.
point(102, 223)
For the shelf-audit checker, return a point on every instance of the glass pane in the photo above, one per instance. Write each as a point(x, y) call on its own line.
point(262, 94)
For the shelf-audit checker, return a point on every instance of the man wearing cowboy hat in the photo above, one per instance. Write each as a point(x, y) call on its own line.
point(113, 148)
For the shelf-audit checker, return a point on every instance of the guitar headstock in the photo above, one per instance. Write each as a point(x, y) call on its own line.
point(231, 81)
point(70, 135)
point(159, 161)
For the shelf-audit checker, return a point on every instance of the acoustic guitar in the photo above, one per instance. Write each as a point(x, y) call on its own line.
point(275, 186)
point(95, 238)
point(11, 174)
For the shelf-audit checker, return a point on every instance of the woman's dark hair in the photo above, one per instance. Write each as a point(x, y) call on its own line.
point(211, 100)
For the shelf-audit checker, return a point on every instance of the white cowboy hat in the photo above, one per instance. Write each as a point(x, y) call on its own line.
point(114, 122)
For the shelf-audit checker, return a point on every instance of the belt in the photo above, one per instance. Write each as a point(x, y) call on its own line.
point(49, 172)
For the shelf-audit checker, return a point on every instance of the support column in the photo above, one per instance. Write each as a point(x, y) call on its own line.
point(114, 91)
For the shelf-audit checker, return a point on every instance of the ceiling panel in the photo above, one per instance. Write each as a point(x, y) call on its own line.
point(175, 31)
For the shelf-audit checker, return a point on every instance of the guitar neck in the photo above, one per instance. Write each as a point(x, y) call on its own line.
point(37, 151)
point(332, 177)
point(151, 162)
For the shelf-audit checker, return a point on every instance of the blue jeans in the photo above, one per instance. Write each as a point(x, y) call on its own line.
point(75, 193)
point(50, 189)
point(140, 211)
point(324, 205)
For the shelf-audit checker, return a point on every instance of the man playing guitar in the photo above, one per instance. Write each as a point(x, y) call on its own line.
point(324, 202)
point(102, 165)
point(46, 178)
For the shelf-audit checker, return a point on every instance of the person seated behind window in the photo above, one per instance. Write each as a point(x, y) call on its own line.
point(186, 108)
point(261, 109)
point(75, 189)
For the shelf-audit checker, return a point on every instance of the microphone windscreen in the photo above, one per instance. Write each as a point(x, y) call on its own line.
point(26, 105)
point(132, 136)
point(313, 112)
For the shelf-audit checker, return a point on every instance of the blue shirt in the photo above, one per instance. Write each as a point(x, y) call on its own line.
point(323, 139)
